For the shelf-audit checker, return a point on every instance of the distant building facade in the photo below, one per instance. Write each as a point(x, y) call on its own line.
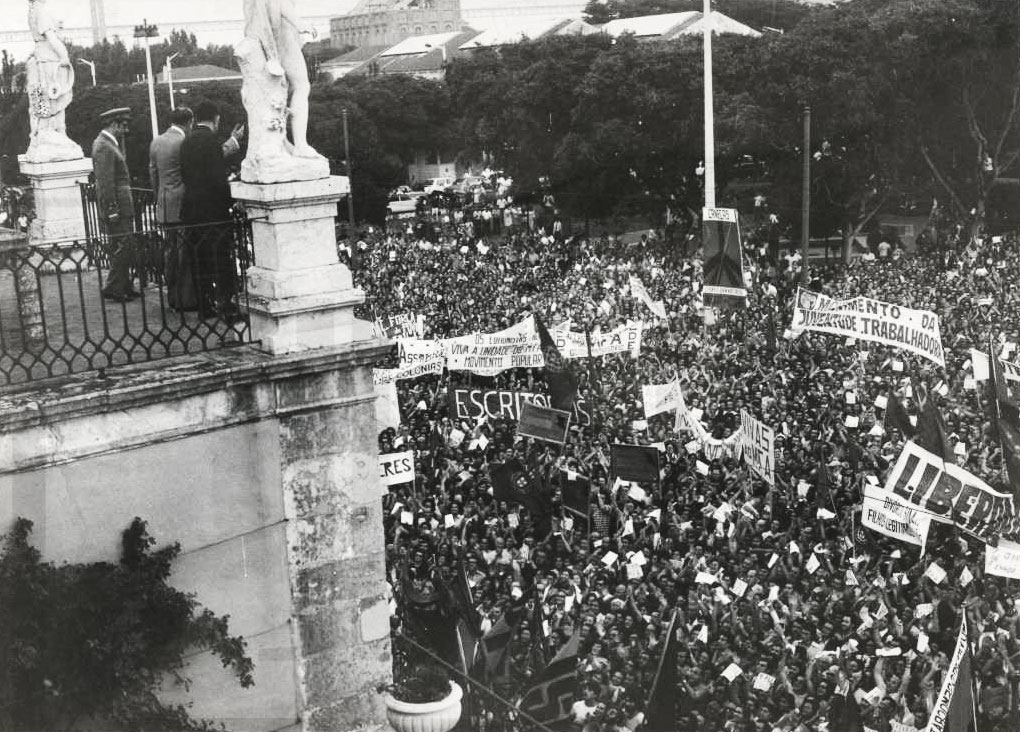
point(387, 22)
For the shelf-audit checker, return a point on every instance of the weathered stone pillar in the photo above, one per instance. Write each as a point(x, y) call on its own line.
point(301, 300)
point(58, 211)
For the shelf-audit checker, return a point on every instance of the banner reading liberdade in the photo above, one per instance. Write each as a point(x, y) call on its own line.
point(916, 331)
point(951, 494)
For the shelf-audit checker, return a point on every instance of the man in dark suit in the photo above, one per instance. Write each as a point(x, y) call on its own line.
point(116, 207)
point(205, 210)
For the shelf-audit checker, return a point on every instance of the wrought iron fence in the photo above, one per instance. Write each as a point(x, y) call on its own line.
point(63, 311)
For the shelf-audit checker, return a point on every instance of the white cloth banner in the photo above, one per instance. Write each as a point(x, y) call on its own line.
point(950, 494)
point(659, 398)
point(396, 467)
point(410, 371)
point(916, 331)
point(623, 339)
point(640, 292)
point(387, 411)
point(488, 354)
point(939, 718)
point(893, 516)
point(1003, 560)
point(759, 446)
point(413, 351)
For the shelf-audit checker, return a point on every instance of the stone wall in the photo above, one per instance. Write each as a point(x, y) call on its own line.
point(264, 469)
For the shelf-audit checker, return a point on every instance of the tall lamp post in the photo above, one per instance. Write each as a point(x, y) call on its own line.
point(347, 159)
point(92, 68)
point(706, 21)
point(147, 31)
point(169, 71)
point(805, 202)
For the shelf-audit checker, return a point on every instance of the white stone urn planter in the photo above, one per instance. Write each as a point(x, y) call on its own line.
point(437, 716)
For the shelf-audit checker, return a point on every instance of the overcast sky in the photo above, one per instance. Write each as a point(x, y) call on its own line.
point(167, 14)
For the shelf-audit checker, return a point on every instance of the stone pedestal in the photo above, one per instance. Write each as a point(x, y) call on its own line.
point(58, 211)
point(300, 295)
point(301, 305)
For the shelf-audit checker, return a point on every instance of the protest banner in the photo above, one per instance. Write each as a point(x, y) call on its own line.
point(472, 403)
point(659, 398)
point(543, 423)
point(488, 354)
point(1003, 560)
point(402, 325)
point(759, 446)
point(723, 270)
point(892, 516)
point(950, 493)
point(864, 318)
point(640, 292)
point(634, 462)
point(413, 351)
point(409, 371)
point(953, 710)
point(396, 467)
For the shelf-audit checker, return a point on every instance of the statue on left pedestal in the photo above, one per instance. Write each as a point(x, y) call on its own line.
point(50, 78)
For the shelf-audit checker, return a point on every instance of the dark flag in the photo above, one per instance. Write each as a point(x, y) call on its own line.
point(661, 710)
point(724, 262)
point(462, 598)
point(1006, 423)
point(549, 699)
point(771, 338)
point(896, 417)
point(577, 494)
point(503, 476)
point(562, 382)
point(512, 482)
point(932, 431)
point(823, 489)
point(493, 648)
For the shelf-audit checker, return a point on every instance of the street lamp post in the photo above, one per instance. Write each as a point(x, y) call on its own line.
point(168, 65)
point(805, 202)
point(92, 68)
point(350, 185)
point(147, 31)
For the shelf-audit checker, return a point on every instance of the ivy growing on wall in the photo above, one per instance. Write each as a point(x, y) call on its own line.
point(97, 641)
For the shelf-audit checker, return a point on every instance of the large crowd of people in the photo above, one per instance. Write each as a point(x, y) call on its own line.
point(809, 622)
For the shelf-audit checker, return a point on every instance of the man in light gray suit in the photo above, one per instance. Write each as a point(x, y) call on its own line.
point(165, 175)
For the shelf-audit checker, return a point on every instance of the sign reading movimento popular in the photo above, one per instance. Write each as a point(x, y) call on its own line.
point(759, 443)
point(950, 494)
point(473, 403)
point(488, 354)
point(916, 331)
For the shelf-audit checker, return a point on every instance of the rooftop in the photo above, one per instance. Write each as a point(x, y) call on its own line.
point(525, 29)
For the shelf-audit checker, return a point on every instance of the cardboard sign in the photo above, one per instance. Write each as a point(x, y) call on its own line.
point(635, 463)
point(396, 468)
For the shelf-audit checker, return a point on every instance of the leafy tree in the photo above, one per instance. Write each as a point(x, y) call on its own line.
point(94, 642)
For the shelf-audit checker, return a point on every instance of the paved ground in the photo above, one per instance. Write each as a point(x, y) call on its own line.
point(80, 331)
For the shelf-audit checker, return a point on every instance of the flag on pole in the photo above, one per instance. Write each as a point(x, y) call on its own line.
point(661, 709)
point(562, 382)
point(1006, 423)
point(896, 416)
point(549, 699)
point(932, 431)
point(954, 708)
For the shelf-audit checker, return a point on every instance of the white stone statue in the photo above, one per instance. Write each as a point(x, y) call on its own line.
point(50, 78)
point(275, 91)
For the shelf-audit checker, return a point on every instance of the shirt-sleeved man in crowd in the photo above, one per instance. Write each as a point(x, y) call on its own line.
point(116, 207)
point(205, 209)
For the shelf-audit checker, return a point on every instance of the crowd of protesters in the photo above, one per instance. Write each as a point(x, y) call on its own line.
point(803, 638)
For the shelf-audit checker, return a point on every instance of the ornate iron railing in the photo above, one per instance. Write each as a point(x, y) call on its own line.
point(56, 320)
